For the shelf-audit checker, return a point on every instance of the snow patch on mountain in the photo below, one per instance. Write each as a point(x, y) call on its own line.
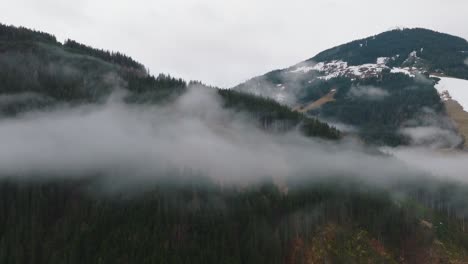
point(406, 71)
point(382, 60)
point(339, 68)
point(281, 86)
point(307, 72)
point(414, 61)
point(456, 89)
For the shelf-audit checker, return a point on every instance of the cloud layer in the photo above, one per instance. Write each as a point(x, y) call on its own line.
point(196, 135)
point(368, 92)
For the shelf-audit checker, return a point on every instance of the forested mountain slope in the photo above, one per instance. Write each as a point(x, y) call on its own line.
point(437, 52)
point(46, 73)
point(383, 83)
point(269, 196)
point(64, 222)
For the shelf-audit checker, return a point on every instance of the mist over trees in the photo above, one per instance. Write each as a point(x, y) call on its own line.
point(73, 72)
point(388, 213)
point(410, 98)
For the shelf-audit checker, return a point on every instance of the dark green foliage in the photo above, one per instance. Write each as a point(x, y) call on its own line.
point(379, 120)
point(64, 222)
point(112, 57)
point(74, 75)
point(12, 33)
point(31, 62)
point(318, 88)
point(145, 84)
point(21, 34)
point(46, 74)
point(50, 71)
point(196, 220)
point(276, 117)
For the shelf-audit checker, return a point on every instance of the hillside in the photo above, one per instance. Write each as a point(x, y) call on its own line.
point(101, 162)
point(383, 83)
point(45, 73)
point(435, 51)
point(198, 223)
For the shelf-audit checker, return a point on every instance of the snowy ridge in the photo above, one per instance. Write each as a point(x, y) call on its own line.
point(408, 71)
point(339, 68)
point(285, 91)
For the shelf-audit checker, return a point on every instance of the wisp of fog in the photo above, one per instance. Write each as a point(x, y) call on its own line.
point(195, 133)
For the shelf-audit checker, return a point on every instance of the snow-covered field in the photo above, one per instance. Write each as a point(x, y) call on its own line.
point(457, 89)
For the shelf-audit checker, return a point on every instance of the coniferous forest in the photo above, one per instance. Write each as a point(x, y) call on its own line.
point(184, 216)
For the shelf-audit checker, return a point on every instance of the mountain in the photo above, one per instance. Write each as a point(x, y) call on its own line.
point(381, 86)
point(424, 49)
point(40, 72)
point(337, 203)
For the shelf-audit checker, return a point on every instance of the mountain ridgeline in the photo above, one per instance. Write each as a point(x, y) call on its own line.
point(440, 52)
point(184, 216)
point(46, 73)
point(382, 86)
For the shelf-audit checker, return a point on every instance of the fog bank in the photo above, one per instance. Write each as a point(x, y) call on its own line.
point(194, 134)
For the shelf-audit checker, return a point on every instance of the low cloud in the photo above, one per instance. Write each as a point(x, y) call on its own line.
point(8, 99)
point(430, 129)
point(194, 135)
point(466, 61)
point(445, 164)
point(283, 86)
point(368, 92)
point(435, 137)
point(422, 79)
point(345, 128)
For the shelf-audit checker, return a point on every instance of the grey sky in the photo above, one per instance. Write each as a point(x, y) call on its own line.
point(226, 42)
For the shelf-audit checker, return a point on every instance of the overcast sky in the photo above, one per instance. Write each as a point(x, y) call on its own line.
point(225, 42)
